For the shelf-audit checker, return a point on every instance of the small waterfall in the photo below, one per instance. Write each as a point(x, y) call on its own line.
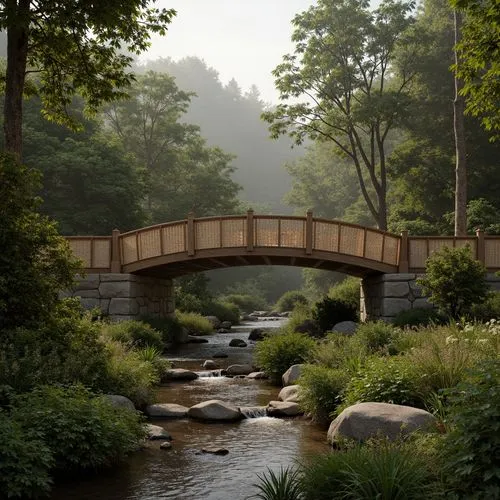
point(210, 374)
point(253, 411)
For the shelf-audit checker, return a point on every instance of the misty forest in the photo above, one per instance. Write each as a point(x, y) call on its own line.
point(261, 368)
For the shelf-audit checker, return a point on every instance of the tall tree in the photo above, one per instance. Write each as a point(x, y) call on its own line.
point(76, 47)
point(342, 67)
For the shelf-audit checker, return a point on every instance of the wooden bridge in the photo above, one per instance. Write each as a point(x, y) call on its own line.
point(193, 245)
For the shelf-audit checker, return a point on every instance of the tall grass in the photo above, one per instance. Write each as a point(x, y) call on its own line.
point(195, 323)
point(283, 485)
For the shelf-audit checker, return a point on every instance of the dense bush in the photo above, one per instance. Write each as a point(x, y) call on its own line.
point(384, 380)
point(376, 336)
point(347, 291)
point(277, 353)
point(290, 299)
point(35, 262)
point(222, 310)
point(418, 317)
point(472, 450)
point(188, 302)
point(135, 333)
point(490, 309)
point(454, 281)
point(246, 303)
point(340, 351)
point(328, 312)
point(81, 430)
point(169, 327)
point(386, 471)
point(195, 324)
point(320, 391)
point(25, 460)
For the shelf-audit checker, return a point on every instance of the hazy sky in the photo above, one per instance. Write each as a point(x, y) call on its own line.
point(244, 39)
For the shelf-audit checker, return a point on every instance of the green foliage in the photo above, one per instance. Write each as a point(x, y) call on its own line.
point(454, 281)
point(489, 309)
point(81, 430)
point(290, 299)
point(341, 351)
point(384, 380)
point(225, 311)
point(376, 336)
point(472, 450)
point(246, 303)
point(328, 312)
point(320, 390)
point(134, 333)
point(169, 327)
point(195, 323)
point(418, 317)
point(347, 291)
point(283, 485)
point(388, 471)
point(35, 262)
point(188, 302)
point(277, 353)
point(25, 461)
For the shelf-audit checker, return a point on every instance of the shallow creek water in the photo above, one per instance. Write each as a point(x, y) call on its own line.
point(181, 473)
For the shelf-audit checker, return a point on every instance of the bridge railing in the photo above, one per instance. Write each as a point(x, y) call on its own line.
point(94, 251)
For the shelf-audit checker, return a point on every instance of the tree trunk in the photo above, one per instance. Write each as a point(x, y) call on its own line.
point(17, 54)
point(460, 152)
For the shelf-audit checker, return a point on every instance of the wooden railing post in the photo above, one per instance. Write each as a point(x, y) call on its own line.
point(403, 253)
point(250, 231)
point(116, 261)
point(190, 235)
point(309, 232)
point(480, 247)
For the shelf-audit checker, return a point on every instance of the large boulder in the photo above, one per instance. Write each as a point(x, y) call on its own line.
point(193, 339)
point(283, 409)
point(257, 334)
point(291, 375)
point(166, 410)
point(226, 325)
point(155, 432)
point(210, 364)
point(179, 374)
point(237, 343)
point(258, 375)
point(309, 327)
point(239, 370)
point(216, 322)
point(345, 327)
point(120, 401)
point(214, 410)
point(365, 420)
point(290, 394)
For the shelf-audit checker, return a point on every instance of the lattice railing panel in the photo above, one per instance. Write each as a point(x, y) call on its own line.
point(150, 243)
point(352, 240)
point(129, 248)
point(492, 253)
point(234, 233)
point(82, 250)
point(417, 250)
point(174, 238)
point(101, 255)
point(326, 236)
point(391, 250)
point(292, 233)
point(374, 245)
point(207, 234)
point(266, 232)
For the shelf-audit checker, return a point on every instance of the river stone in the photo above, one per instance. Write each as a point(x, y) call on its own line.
point(237, 343)
point(346, 327)
point(209, 364)
point(226, 325)
point(166, 410)
point(289, 393)
point(219, 355)
point(365, 420)
point(291, 375)
point(258, 375)
point(283, 409)
point(180, 374)
point(214, 409)
point(214, 320)
point(253, 411)
point(192, 339)
point(155, 432)
point(120, 401)
point(166, 445)
point(215, 451)
point(239, 370)
point(256, 334)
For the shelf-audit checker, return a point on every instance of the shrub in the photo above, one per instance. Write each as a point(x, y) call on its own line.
point(490, 309)
point(320, 390)
point(195, 323)
point(384, 380)
point(418, 317)
point(169, 327)
point(300, 315)
point(277, 353)
point(222, 310)
point(387, 471)
point(135, 333)
point(454, 281)
point(340, 351)
point(25, 461)
point(281, 486)
point(35, 262)
point(290, 299)
point(328, 312)
point(188, 302)
point(81, 430)
point(472, 450)
point(347, 291)
point(376, 336)
point(246, 303)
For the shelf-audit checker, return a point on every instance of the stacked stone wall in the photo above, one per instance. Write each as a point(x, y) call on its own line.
point(125, 296)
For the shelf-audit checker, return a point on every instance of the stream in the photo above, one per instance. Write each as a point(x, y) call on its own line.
point(254, 444)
